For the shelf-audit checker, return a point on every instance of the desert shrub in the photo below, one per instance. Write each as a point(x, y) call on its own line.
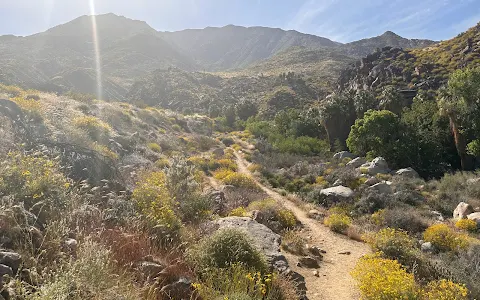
point(338, 222)
point(444, 290)
point(154, 202)
point(227, 141)
point(154, 147)
point(240, 180)
point(236, 147)
point(293, 242)
point(33, 180)
point(225, 248)
point(222, 173)
point(241, 197)
point(393, 243)
point(203, 143)
point(238, 212)
point(320, 180)
point(104, 151)
point(162, 163)
point(467, 224)
point(444, 238)
point(407, 219)
point(96, 129)
point(452, 189)
point(370, 202)
point(347, 176)
point(85, 98)
point(90, 276)
point(380, 278)
point(273, 215)
point(240, 283)
point(32, 107)
point(254, 168)
point(227, 164)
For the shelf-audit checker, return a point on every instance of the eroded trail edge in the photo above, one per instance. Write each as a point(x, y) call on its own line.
point(335, 281)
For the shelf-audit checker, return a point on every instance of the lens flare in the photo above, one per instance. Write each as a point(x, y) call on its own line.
point(96, 45)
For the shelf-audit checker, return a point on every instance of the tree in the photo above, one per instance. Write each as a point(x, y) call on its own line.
point(229, 113)
point(459, 99)
point(363, 101)
point(246, 109)
point(380, 133)
point(337, 114)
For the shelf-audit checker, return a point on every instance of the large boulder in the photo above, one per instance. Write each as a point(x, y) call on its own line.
point(408, 173)
point(357, 162)
point(476, 217)
point(343, 154)
point(378, 166)
point(384, 187)
point(11, 259)
point(462, 210)
point(266, 241)
point(337, 193)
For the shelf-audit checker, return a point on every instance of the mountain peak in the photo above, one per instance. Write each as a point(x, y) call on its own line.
point(389, 33)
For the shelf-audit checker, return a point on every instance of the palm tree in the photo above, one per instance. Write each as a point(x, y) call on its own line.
point(456, 100)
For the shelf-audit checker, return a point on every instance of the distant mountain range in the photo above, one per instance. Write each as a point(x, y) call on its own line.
point(63, 58)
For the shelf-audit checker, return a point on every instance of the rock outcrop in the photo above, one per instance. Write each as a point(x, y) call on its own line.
point(462, 210)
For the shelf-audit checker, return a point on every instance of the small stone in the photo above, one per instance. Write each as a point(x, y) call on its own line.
point(315, 251)
point(345, 253)
point(427, 247)
point(316, 273)
point(308, 262)
point(71, 245)
point(11, 259)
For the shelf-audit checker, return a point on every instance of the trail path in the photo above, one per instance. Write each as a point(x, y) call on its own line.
point(334, 282)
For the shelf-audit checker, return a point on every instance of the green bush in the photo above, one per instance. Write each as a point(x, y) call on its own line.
point(395, 244)
point(225, 248)
point(444, 238)
point(338, 222)
point(95, 128)
point(273, 215)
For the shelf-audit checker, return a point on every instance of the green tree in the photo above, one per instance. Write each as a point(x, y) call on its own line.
point(246, 109)
point(363, 101)
point(380, 133)
point(459, 100)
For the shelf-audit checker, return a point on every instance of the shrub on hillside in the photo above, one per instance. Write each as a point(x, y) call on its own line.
point(154, 147)
point(380, 278)
point(95, 128)
point(395, 244)
point(407, 219)
point(240, 180)
point(444, 290)
point(273, 215)
point(293, 242)
point(154, 202)
point(467, 224)
point(338, 222)
point(444, 238)
point(32, 180)
point(225, 248)
point(240, 283)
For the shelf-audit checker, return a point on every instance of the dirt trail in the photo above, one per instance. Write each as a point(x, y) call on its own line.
point(334, 282)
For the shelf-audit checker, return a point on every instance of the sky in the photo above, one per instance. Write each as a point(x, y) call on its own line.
point(338, 20)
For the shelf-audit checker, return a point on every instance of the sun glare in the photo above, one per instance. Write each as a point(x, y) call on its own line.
point(98, 65)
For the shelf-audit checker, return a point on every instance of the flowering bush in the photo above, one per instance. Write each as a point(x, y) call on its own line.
point(379, 278)
point(393, 243)
point(338, 222)
point(153, 200)
point(273, 215)
point(444, 290)
point(95, 128)
point(467, 224)
point(444, 238)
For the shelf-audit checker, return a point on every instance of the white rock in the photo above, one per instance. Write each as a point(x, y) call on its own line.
point(462, 210)
point(357, 162)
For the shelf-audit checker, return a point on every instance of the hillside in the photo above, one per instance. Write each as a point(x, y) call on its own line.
point(426, 68)
point(236, 47)
point(63, 58)
point(366, 46)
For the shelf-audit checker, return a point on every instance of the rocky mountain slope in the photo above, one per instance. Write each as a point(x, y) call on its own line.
point(426, 68)
point(64, 58)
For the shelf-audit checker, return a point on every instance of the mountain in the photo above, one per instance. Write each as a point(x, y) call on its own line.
point(234, 47)
point(64, 57)
point(412, 69)
point(364, 47)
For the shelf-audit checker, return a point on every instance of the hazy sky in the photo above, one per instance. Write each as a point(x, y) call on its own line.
point(339, 20)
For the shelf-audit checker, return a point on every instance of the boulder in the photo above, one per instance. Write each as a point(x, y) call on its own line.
point(384, 187)
point(378, 166)
point(462, 210)
point(476, 217)
point(343, 154)
point(263, 237)
point(315, 214)
point(269, 243)
point(150, 269)
point(357, 162)
point(308, 262)
point(426, 247)
point(11, 259)
point(337, 193)
point(372, 180)
point(408, 173)
point(219, 200)
point(181, 289)
point(4, 270)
